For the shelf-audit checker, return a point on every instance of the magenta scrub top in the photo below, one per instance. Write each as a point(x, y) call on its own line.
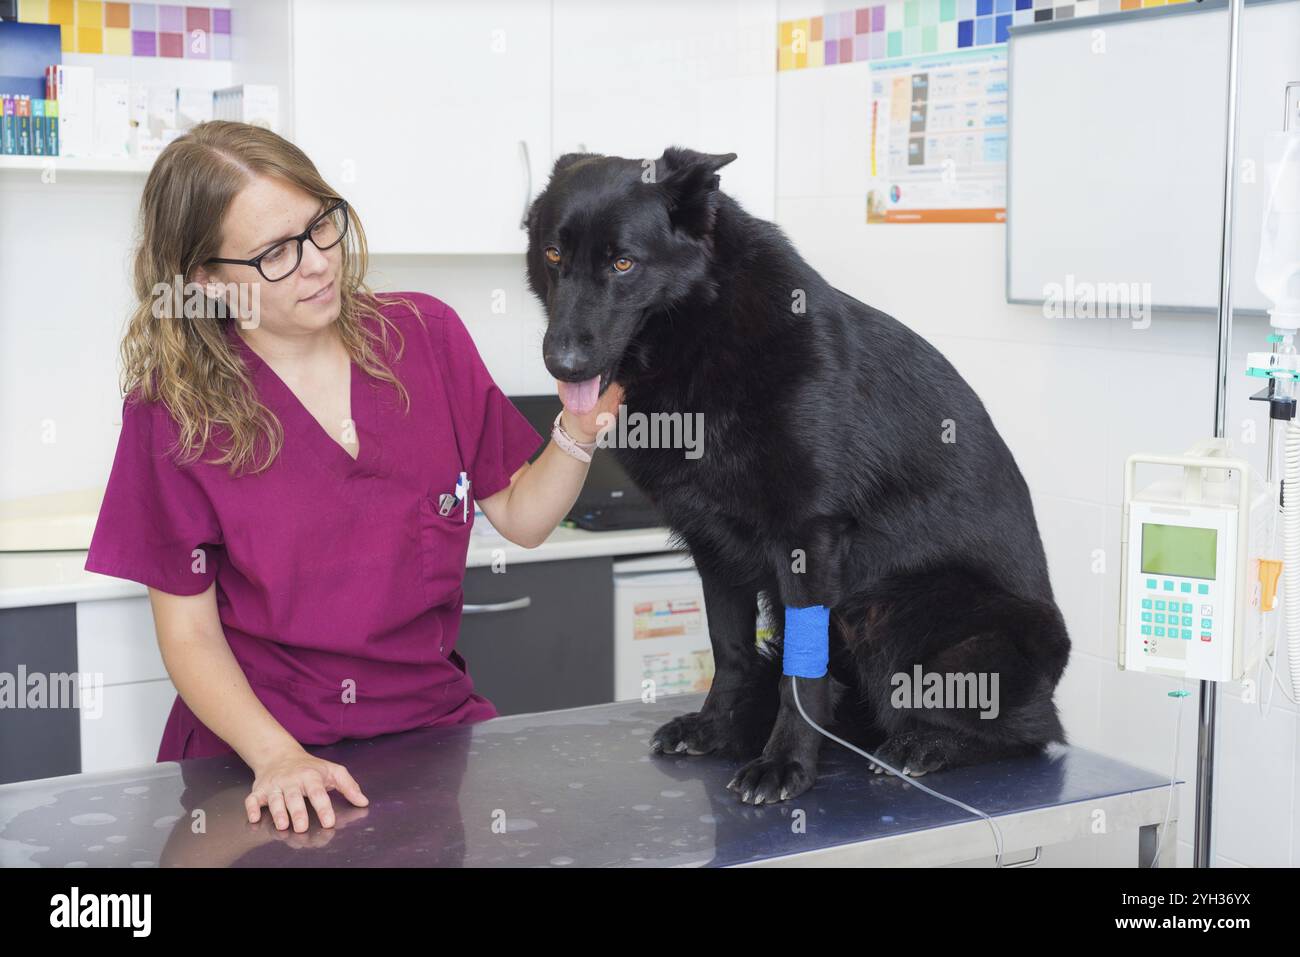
point(338, 583)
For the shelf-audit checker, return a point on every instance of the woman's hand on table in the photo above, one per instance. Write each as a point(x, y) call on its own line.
point(287, 781)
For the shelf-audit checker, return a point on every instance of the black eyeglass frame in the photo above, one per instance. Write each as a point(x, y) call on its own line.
point(304, 236)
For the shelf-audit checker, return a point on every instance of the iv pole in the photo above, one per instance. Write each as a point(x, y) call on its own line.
point(1209, 698)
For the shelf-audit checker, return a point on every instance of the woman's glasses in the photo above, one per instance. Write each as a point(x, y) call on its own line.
point(325, 232)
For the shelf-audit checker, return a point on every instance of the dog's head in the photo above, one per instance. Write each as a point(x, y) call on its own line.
point(610, 242)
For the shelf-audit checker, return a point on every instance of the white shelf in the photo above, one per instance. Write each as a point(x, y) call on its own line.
point(80, 164)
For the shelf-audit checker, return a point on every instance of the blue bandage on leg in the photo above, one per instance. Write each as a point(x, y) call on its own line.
point(807, 641)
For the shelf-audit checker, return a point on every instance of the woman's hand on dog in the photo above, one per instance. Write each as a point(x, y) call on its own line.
point(585, 428)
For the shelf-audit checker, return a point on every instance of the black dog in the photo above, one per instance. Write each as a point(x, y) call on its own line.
point(845, 464)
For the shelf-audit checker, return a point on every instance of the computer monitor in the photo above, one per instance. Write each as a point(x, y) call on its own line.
point(608, 490)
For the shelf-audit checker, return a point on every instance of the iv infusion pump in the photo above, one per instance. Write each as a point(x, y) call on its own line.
point(1196, 579)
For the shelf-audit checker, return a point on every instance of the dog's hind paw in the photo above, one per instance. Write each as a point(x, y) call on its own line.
point(768, 780)
point(697, 733)
point(915, 752)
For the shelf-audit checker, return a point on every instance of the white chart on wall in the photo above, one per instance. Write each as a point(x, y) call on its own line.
point(1116, 154)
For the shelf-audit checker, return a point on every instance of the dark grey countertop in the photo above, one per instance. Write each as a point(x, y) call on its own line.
point(564, 788)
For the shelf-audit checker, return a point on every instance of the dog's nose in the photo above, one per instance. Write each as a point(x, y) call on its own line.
point(568, 365)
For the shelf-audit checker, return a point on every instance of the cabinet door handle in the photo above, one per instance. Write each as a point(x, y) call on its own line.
point(528, 182)
point(512, 605)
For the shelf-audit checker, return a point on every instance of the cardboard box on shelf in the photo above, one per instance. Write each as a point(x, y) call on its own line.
point(75, 91)
point(112, 118)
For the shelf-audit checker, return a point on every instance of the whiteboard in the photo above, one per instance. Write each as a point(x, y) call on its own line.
point(1117, 127)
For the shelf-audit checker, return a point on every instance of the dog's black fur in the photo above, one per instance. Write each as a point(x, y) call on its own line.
point(836, 431)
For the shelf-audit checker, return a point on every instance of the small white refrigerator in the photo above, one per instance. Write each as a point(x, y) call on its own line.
point(661, 634)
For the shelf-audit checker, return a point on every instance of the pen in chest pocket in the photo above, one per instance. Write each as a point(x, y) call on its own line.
point(447, 500)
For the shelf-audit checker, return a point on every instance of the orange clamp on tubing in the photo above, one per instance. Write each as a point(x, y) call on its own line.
point(1270, 571)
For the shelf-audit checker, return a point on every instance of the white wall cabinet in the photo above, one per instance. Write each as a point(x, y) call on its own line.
point(446, 157)
point(117, 644)
point(631, 80)
point(432, 119)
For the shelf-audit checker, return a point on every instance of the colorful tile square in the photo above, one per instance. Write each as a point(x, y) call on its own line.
point(171, 45)
point(117, 41)
point(90, 14)
point(144, 16)
point(62, 12)
point(34, 11)
point(144, 43)
point(198, 18)
point(965, 33)
point(171, 19)
point(877, 18)
point(220, 20)
point(221, 46)
point(862, 21)
point(117, 15)
point(90, 39)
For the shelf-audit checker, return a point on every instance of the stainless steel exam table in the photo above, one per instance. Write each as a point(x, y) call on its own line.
point(578, 788)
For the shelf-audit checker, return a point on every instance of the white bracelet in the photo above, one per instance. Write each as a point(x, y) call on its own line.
point(579, 450)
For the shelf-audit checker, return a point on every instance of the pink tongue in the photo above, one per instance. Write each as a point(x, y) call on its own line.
point(580, 397)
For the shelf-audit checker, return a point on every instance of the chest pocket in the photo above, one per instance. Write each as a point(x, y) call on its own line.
point(444, 539)
point(444, 546)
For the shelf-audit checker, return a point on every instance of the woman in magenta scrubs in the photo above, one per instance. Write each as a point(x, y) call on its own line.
point(281, 477)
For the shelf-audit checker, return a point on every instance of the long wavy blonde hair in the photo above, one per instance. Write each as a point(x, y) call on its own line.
point(190, 364)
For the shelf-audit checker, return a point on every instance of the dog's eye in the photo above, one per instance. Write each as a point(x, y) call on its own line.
point(623, 264)
point(552, 255)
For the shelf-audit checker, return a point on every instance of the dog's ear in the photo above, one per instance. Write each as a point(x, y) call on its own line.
point(689, 181)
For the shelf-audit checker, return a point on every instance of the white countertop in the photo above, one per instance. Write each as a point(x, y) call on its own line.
point(59, 577)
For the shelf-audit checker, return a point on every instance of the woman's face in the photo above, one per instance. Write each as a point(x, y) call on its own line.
point(262, 214)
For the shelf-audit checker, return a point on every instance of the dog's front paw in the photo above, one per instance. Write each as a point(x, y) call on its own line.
point(915, 752)
point(768, 780)
point(698, 733)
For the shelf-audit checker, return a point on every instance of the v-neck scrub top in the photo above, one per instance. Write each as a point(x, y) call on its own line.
point(338, 584)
